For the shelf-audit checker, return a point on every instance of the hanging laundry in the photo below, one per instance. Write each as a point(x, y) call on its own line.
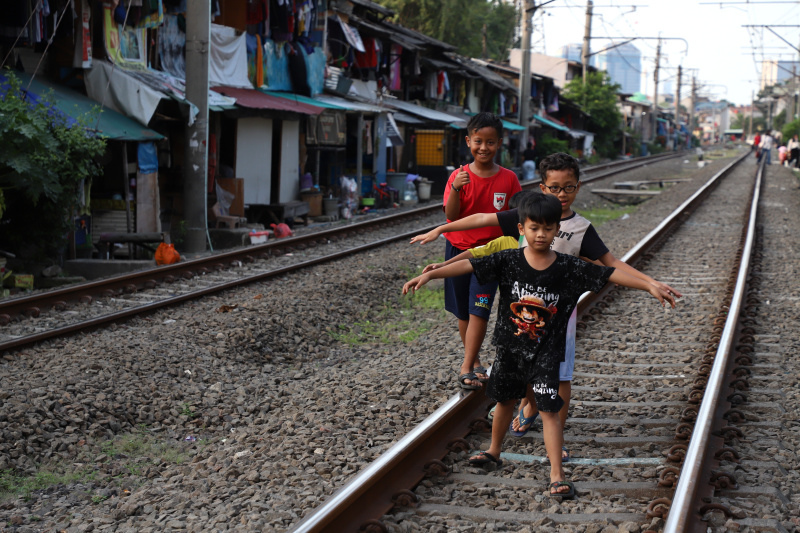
point(368, 58)
point(395, 82)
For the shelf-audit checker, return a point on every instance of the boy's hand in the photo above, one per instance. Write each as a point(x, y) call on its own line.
point(416, 283)
point(666, 288)
point(432, 266)
point(426, 237)
point(461, 179)
point(662, 295)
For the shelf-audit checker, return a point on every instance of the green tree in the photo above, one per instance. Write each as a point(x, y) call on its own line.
point(43, 160)
point(790, 130)
point(599, 99)
point(742, 121)
point(460, 23)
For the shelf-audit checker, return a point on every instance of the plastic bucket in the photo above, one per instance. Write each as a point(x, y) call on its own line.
point(331, 206)
point(424, 190)
point(397, 180)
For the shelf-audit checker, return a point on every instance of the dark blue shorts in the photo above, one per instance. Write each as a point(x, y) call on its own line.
point(463, 295)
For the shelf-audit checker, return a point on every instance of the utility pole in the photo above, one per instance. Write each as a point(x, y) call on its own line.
point(752, 105)
point(528, 9)
point(655, 90)
point(195, 167)
point(691, 106)
point(587, 36)
point(484, 53)
point(678, 97)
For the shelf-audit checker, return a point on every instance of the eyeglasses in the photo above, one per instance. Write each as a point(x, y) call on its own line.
point(555, 189)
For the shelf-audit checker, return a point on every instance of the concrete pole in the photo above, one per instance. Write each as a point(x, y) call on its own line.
point(752, 105)
point(528, 8)
point(678, 97)
point(360, 151)
point(655, 90)
point(691, 106)
point(587, 35)
point(195, 167)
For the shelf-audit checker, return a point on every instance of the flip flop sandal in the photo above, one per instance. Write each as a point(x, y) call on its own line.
point(483, 458)
point(556, 485)
point(462, 380)
point(490, 415)
point(522, 422)
point(565, 456)
point(481, 370)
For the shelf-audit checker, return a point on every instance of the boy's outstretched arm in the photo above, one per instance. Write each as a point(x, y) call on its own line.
point(626, 280)
point(466, 254)
point(456, 269)
point(478, 220)
point(609, 260)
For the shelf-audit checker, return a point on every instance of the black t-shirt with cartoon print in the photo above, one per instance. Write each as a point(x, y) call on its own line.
point(535, 305)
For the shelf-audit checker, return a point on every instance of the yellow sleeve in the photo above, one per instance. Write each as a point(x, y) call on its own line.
point(500, 243)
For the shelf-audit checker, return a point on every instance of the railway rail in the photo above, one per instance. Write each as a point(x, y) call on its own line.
point(41, 316)
point(666, 402)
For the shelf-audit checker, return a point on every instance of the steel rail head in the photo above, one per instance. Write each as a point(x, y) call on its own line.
point(682, 510)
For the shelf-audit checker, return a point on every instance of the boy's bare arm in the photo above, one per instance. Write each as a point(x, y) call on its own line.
point(450, 271)
point(478, 220)
point(609, 260)
point(626, 280)
point(433, 266)
point(452, 208)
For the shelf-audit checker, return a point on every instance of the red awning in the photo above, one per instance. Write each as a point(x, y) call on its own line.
point(257, 100)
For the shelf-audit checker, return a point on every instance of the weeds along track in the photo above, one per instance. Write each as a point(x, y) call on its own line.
point(640, 377)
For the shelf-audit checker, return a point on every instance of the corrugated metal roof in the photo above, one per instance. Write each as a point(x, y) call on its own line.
point(258, 100)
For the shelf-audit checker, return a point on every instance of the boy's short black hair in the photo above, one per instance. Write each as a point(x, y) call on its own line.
point(559, 161)
point(485, 120)
point(518, 197)
point(539, 207)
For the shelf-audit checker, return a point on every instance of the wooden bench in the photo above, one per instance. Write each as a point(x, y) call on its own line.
point(294, 209)
point(108, 240)
point(622, 196)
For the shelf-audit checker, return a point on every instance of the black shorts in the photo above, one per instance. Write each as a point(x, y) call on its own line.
point(512, 373)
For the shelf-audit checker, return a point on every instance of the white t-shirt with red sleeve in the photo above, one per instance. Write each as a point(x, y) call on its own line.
point(481, 195)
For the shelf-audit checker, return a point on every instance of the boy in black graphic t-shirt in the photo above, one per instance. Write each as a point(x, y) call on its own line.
point(539, 288)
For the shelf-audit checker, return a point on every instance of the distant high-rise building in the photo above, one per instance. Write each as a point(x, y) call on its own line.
point(624, 66)
point(574, 52)
point(775, 72)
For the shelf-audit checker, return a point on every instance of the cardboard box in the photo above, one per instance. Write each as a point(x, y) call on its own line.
point(235, 186)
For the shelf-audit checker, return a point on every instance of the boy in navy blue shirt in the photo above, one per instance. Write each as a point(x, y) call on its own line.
point(539, 288)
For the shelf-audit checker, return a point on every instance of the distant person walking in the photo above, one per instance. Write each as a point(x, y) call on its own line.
point(794, 151)
point(757, 144)
point(766, 147)
point(529, 162)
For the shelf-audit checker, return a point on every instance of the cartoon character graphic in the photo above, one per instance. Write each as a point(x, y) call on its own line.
point(531, 315)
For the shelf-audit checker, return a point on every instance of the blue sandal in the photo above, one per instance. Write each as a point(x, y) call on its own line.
point(522, 422)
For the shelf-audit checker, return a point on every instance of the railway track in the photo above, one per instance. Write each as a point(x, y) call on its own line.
point(27, 320)
point(643, 378)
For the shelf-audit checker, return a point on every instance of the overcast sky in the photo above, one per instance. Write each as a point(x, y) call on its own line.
point(719, 48)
